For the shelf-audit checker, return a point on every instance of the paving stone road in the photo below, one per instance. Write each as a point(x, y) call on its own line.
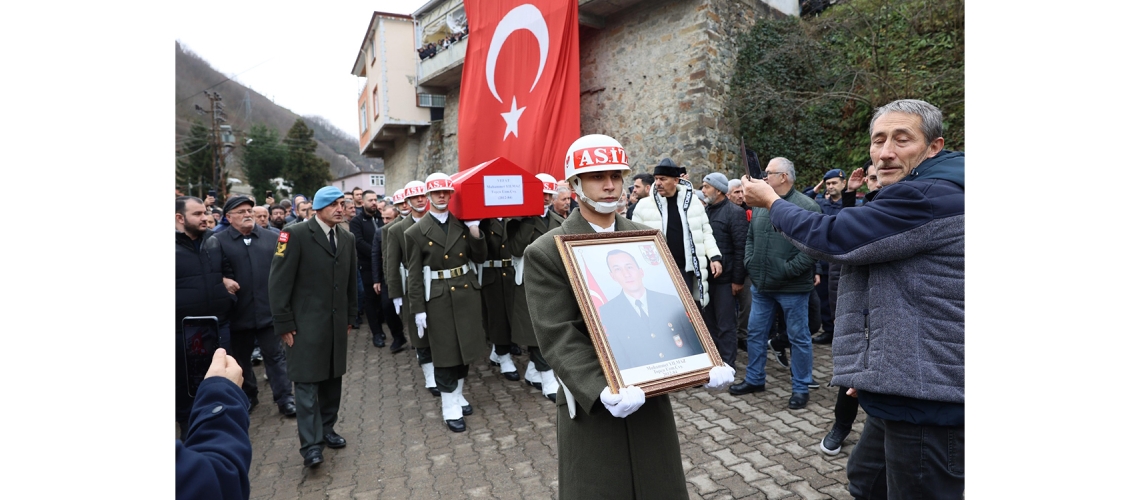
point(748, 446)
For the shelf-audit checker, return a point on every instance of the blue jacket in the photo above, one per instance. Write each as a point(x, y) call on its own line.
point(214, 461)
point(900, 318)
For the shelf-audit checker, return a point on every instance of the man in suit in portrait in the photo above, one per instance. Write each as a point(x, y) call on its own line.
point(644, 326)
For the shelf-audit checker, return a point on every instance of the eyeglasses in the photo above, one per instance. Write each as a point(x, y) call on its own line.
point(767, 174)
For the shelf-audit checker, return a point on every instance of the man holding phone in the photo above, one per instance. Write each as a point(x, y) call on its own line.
point(312, 294)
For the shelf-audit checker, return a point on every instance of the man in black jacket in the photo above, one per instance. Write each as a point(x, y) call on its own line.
point(730, 230)
point(249, 250)
point(198, 290)
point(365, 226)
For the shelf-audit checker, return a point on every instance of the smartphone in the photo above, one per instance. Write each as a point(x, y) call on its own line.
point(269, 194)
point(199, 339)
point(755, 171)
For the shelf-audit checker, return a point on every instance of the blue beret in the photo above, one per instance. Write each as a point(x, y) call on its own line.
point(325, 196)
point(833, 173)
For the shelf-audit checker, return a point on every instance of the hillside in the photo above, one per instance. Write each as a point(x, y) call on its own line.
point(193, 75)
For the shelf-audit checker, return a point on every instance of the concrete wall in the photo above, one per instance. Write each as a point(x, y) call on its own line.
point(398, 57)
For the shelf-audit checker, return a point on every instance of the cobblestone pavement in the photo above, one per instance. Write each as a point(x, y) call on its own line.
point(748, 446)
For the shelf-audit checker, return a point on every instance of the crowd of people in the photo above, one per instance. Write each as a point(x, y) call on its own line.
point(432, 48)
point(881, 278)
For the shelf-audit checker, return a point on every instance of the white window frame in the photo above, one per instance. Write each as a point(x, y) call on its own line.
point(363, 118)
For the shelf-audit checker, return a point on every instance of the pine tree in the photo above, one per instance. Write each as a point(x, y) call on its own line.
point(303, 169)
point(263, 158)
point(194, 165)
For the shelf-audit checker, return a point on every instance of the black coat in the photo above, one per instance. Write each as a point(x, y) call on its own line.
point(198, 288)
point(250, 269)
point(377, 257)
point(364, 228)
point(730, 230)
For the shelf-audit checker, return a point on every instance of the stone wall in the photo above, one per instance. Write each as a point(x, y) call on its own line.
point(655, 78)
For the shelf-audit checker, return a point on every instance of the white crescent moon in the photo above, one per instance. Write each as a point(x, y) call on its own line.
point(524, 17)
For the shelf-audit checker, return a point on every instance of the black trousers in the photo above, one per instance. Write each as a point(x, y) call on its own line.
point(720, 319)
point(744, 309)
point(275, 367)
point(317, 407)
point(423, 355)
point(846, 408)
point(536, 356)
point(827, 314)
point(373, 311)
point(391, 317)
point(899, 460)
point(447, 378)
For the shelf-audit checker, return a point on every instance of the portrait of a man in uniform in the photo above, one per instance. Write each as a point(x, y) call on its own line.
point(644, 326)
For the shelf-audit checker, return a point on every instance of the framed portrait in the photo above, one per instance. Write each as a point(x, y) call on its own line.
point(645, 325)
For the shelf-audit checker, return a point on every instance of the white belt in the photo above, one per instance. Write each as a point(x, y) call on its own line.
point(518, 263)
point(445, 274)
point(403, 278)
point(491, 263)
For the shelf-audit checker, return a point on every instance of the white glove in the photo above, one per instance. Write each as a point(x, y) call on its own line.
point(720, 376)
point(421, 323)
point(398, 301)
point(471, 223)
point(625, 402)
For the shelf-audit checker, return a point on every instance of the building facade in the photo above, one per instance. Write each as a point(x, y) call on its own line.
point(654, 75)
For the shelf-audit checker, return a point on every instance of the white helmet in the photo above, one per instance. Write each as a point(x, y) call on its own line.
point(594, 153)
point(439, 181)
point(549, 185)
point(414, 188)
point(398, 197)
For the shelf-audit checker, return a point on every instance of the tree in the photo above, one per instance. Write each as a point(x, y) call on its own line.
point(806, 89)
point(263, 158)
point(194, 167)
point(303, 169)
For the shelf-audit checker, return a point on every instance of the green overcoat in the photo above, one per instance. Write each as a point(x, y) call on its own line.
point(523, 232)
point(394, 256)
point(599, 455)
point(313, 292)
point(454, 306)
point(498, 283)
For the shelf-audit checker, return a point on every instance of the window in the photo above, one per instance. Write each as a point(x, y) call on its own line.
point(376, 180)
point(372, 49)
point(431, 100)
point(363, 118)
point(376, 101)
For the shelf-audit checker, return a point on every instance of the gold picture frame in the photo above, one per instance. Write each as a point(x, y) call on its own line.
point(662, 344)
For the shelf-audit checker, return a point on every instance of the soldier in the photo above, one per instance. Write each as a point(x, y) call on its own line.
point(631, 449)
point(497, 277)
point(523, 232)
point(396, 274)
point(312, 294)
point(443, 295)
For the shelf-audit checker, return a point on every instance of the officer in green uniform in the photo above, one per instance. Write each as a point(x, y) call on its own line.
point(524, 231)
point(443, 295)
point(497, 277)
point(609, 445)
point(396, 274)
point(312, 294)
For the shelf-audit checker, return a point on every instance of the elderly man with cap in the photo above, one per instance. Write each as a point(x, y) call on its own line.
point(673, 210)
point(312, 293)
point(730, 229)
point(249, 250)
point(610, 445)
point(396, 275)
point(443, 295)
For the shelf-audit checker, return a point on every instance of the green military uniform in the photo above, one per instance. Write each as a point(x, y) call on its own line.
point(394, 246)
point(498, 282)
point(599, 455)
point(523, 232)
point(452, 303)
point(312, 291)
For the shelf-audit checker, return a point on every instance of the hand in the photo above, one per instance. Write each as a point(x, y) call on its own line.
point(398, 301)
point(855, 180)
point(421, 323)
point(816, 280)
point(473, 227)
point(758, 193)
point(376, 288)
point(720, 376)
point(625, 402)
point(853, 393)
point(226, 366)
point(818, 186)
point(287, 338)
point(716, 268)
point(471, 223)
point(737, 288)
point(231, 285)
point(269, 200)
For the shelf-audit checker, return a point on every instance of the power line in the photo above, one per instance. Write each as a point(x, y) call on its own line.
point(223, 81)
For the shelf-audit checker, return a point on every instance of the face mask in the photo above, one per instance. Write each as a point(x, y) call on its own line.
point(439, 207)
point(602, 208)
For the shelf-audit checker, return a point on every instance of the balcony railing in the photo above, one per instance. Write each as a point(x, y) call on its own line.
point(443, 59)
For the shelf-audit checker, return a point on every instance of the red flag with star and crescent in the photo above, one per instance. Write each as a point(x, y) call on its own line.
point(519, 94)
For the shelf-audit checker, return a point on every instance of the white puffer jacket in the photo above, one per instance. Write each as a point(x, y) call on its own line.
point(653, 212)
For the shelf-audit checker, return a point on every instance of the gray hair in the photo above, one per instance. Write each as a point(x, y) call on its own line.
point(788, 167)
point(561, 189)
point(733, 184)
point(930, 115)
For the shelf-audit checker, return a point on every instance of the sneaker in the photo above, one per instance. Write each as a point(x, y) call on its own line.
point(813, 384)
point(798, 400)
point(781, 355)
point(256, 357)
point(833, 441)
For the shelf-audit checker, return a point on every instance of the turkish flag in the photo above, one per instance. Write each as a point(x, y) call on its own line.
point(596, 295)
point(519, 97)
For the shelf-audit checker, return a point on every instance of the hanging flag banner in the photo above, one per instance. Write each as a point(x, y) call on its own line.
point(519, 96)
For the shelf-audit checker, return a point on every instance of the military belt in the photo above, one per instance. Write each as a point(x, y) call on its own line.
point(498, 263)
point(448, 273)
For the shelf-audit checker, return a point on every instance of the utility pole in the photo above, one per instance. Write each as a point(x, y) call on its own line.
point(217, 117)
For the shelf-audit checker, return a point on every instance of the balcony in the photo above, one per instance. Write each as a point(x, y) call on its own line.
point(445, 68)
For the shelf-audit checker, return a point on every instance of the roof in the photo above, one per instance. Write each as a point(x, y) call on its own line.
point(358, 65)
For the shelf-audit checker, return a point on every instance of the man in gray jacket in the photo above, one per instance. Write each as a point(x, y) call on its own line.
point(900, 319)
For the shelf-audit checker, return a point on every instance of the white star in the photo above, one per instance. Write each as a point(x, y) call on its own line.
point(512, 119)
